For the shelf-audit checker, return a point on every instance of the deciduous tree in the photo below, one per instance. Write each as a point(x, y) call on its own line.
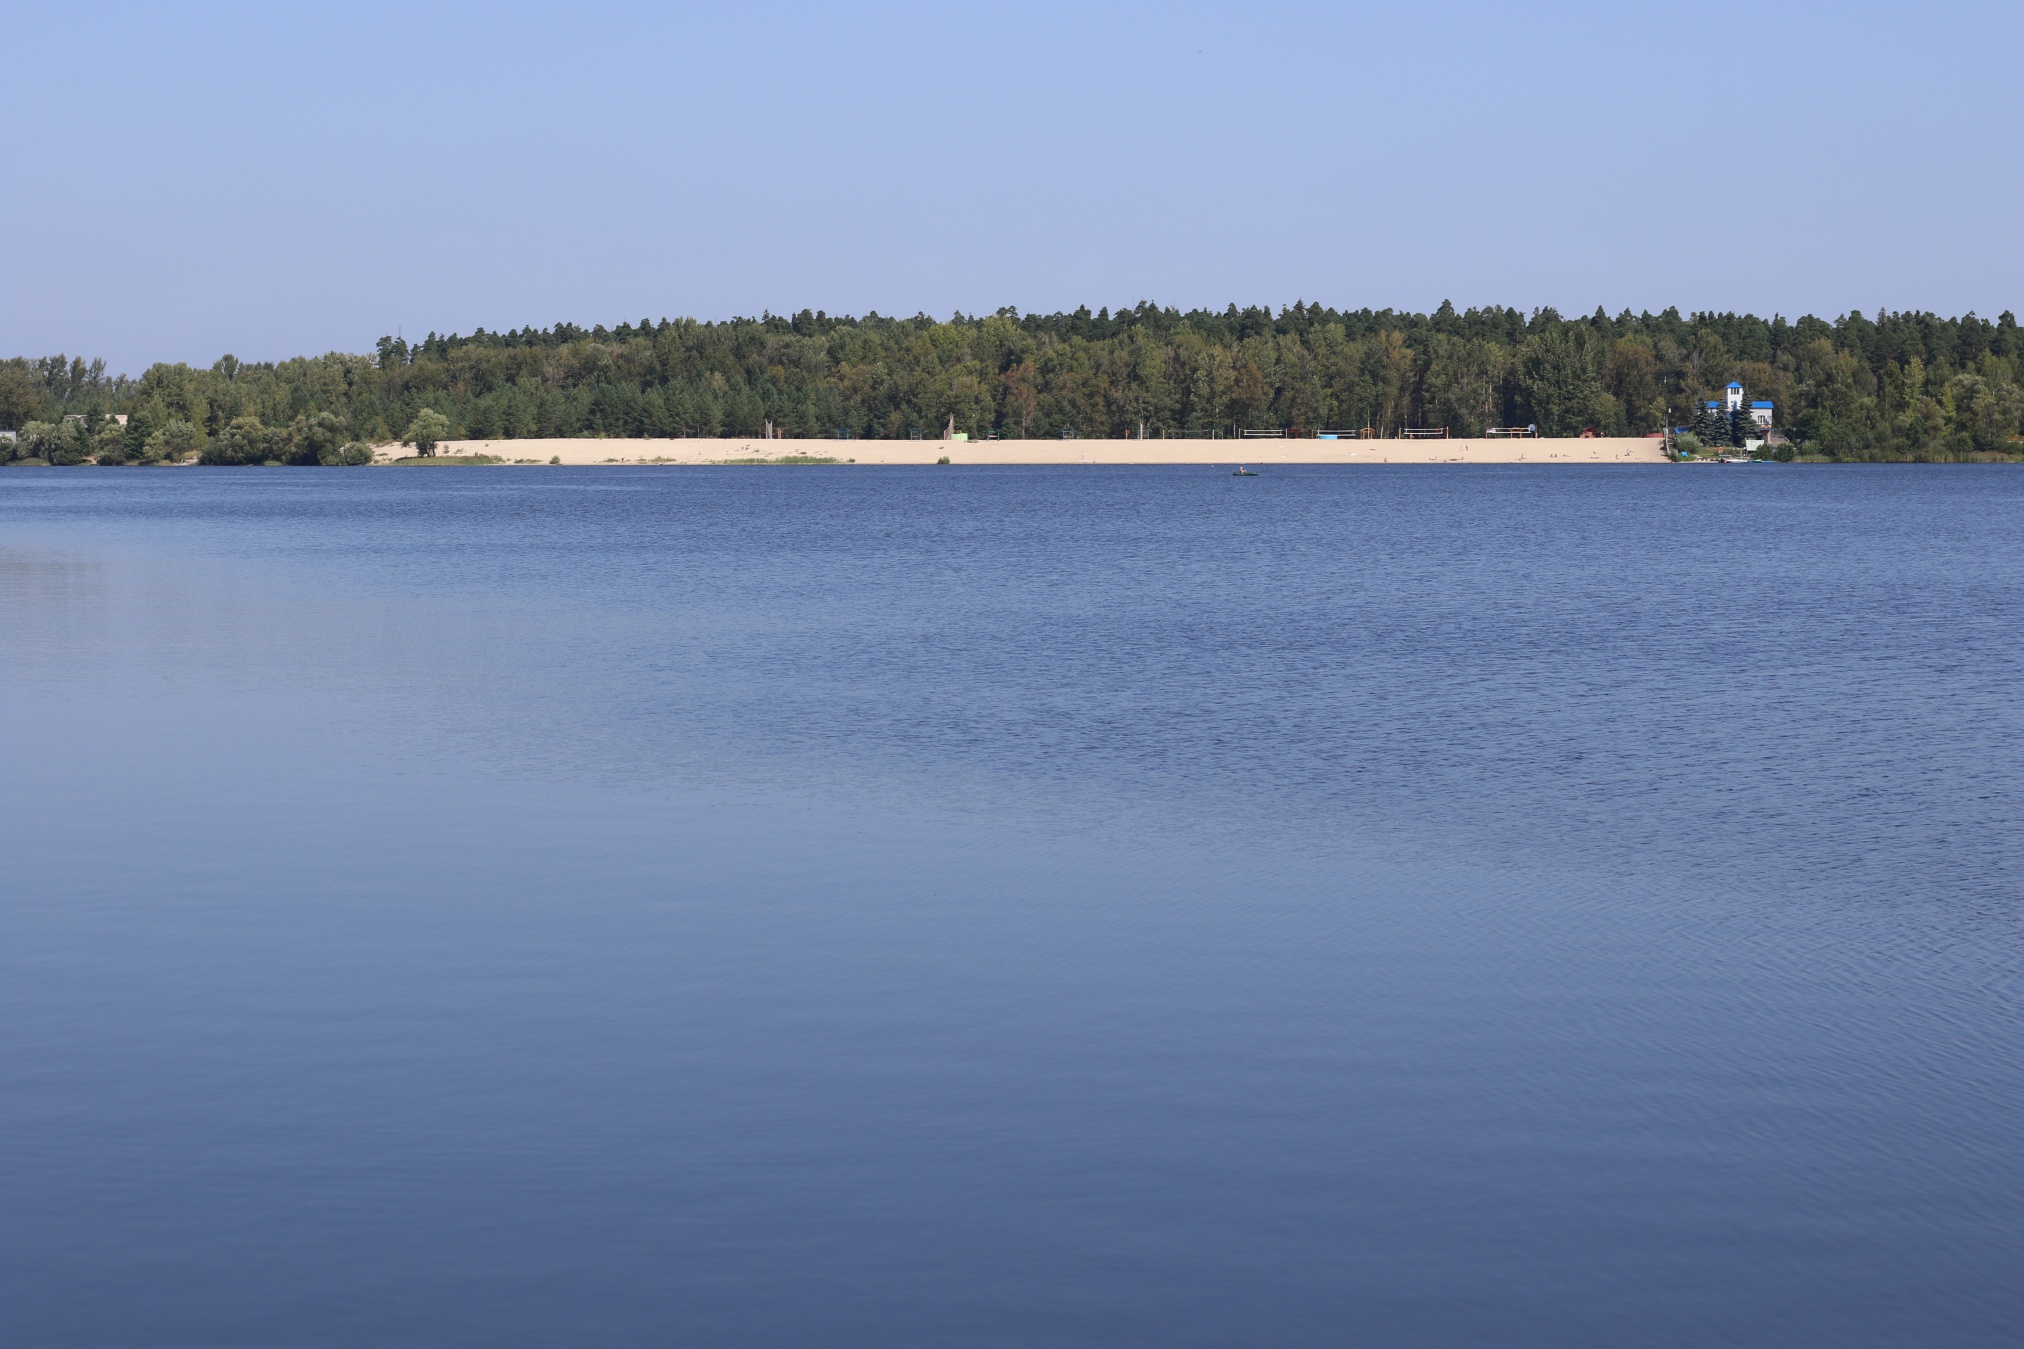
point(429, 429)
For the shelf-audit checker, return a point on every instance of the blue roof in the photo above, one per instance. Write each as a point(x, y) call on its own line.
point(1763, 405)
point(1735, 384)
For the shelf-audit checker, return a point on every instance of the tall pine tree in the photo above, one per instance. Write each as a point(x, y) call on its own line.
point(1710, 425)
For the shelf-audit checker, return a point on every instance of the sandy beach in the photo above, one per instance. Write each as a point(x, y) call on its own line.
point(1642, 450)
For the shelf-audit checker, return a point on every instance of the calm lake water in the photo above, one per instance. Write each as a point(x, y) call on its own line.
point(1012, 907)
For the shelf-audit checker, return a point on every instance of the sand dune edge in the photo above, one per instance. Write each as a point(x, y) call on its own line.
point(1641, 450)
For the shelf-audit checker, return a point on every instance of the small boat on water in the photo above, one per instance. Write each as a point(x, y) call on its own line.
point(1243, 473)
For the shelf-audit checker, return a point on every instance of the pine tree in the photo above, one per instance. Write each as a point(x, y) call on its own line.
point(1742, 426)
point(1710, 425)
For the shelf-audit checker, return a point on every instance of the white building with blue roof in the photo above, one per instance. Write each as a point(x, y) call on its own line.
point(1760, 411)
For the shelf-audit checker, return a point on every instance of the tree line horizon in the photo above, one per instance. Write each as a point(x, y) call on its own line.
point(1896, 386)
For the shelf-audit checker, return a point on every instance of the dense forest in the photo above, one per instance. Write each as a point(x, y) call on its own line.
point(1907, 386)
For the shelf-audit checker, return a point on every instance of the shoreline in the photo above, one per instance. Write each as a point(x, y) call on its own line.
point(699, 452)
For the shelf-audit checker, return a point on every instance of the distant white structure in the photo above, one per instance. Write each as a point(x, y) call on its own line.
point(1760, 411)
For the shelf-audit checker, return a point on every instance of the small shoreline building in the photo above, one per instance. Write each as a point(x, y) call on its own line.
point(1720, 421)
point(1759, 412)
point(1734, 404)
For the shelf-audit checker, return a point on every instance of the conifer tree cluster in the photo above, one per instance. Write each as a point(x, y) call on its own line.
point(1892, 386)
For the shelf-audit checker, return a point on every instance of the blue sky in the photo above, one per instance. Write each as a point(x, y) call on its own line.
point(267, 180)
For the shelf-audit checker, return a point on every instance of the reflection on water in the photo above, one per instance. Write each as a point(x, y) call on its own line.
point(1020, 906)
